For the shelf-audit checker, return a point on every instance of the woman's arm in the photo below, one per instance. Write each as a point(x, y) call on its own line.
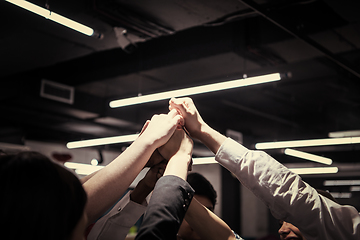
point(109, 184)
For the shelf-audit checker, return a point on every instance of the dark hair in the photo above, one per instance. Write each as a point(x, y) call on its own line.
point(202, 186)
point(40, 199)
point(326, 194)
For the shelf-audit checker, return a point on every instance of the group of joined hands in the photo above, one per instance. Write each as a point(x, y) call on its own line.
point(168, 131)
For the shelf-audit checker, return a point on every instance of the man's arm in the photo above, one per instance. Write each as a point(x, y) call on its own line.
point(206, 223)
point(287, 196)
point(171, 197)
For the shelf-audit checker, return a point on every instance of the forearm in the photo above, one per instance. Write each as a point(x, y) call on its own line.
point(178, 166)
point(206, 224)
point(109, 184)
point(86, 178)
point(210, 137)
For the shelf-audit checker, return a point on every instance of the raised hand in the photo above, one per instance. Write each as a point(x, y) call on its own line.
point(193, 121)
point(160, 128)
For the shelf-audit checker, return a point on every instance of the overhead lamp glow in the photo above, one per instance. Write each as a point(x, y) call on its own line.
point(204, 160)
point(314, 170)
point(341, 182)
point(53, 16)
point(307, 143)
point(102, 141)
point(308, 156)
point(355, 189)
point(82, 168)
point(196, 90)
point(340, 134)
point(341, 194)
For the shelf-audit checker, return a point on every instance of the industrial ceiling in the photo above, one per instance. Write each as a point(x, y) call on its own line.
point(143, 47)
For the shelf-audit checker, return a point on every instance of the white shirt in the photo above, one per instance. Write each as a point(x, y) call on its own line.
point(288, 197)
point(115, 224)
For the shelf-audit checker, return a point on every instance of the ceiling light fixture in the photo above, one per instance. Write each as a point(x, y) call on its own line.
point(314, 170)
point(355, 189)
point(341, 194)
point(204, 160)
point(82, 168)
point(308, 156)
point(196, 90)
point(102, 141)
point(341, 182)
point(353, 133)
point(53, 16)
point(308, 143)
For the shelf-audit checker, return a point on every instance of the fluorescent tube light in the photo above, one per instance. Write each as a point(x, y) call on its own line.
point(204, 160)
point(196, 90)
point(341, 194)
point(53, 16)
point(82, 168)
point(102, 141)
point(308, 143)
point(308, 156)
point(355, 189)
point(341, 182)
point(86, 169)
point(353, 133)
point(315, 170)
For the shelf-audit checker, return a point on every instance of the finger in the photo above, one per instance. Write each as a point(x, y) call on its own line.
point(179, 120)
point(173, 113)
point(179, 105)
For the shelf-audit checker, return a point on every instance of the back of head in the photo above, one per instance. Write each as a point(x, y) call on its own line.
point(40, 199)
point(202, 186)
point(326, 194)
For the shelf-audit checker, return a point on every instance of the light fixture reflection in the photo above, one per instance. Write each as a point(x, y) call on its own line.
point(196, 90)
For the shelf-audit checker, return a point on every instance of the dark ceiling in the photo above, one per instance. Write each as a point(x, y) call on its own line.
point(152, 46)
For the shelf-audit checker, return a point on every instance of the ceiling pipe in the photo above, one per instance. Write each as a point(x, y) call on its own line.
point(266, 14)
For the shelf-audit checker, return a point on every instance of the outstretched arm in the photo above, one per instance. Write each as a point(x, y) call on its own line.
point(109, 184)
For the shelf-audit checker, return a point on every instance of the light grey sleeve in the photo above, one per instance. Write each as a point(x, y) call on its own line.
point(287, 196)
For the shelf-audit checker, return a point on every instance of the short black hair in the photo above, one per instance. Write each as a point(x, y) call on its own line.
point(43, 197)
point(202, 186)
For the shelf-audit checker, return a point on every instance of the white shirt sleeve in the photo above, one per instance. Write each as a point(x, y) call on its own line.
point(115, 224)
point(287, 196)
